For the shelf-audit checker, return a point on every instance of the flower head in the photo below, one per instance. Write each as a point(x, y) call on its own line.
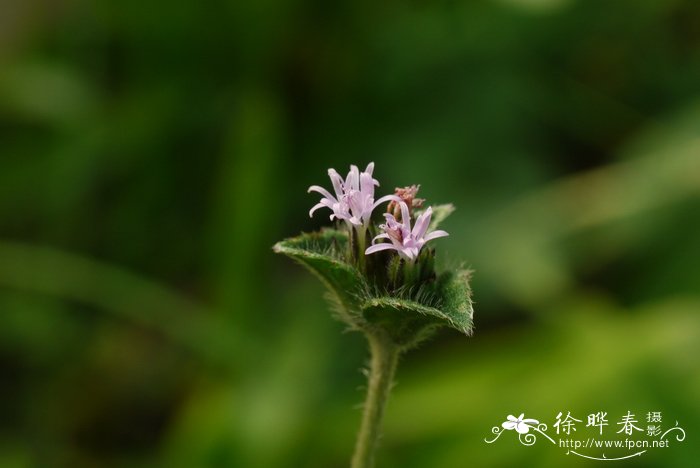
point(408, 195)
point(519, 424)
point(406, 241)
point(354, 196)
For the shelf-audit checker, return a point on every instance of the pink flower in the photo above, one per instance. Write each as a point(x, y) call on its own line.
point(354, 196)
point(406, 241)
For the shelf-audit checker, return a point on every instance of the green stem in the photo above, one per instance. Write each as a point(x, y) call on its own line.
point(361, 243)
point(383, 364)
point(410, 273)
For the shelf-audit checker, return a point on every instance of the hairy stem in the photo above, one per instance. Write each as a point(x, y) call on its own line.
point(383, 364)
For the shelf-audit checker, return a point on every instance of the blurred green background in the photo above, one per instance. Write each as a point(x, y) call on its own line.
point(152, 152)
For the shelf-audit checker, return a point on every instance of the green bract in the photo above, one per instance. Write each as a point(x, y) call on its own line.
point(405, 313)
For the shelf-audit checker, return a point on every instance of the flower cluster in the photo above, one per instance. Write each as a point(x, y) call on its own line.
point(354, 197)
point(354, 203)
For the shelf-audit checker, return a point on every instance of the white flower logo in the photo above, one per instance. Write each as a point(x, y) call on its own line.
point(519, 424)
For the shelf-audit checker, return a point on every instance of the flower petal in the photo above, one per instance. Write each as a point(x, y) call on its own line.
point(405, 216)
point(389, 219)
point(531, 421)
point(422, 223)
point(386, 198)
point(316, 207)
point(512, 418)
point(381, 236)
point(352, 181)
point(337, 182)
point(435, 235)
point(322, 191)
point(379, 247)
point(366, 185)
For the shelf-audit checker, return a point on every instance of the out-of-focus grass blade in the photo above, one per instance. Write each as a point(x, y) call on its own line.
point(517, 245)
point(72, 277)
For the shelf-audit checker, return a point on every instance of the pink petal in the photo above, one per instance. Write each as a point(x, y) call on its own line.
point(386, 198)
point(366, 184)
point(316, 207)
point(337, 182)
point(422, 224)
point(322, 191)
point(352, 181)
point(405, 216)
point(381, 236)
point(379, 247)
point(435, 235)
point(389, 218)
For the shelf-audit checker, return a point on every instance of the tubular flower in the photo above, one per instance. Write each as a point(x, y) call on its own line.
point(406, 241)
point(354, 197)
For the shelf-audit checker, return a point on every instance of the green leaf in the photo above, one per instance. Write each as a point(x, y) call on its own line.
point(321, 253)
point(456, 296)
point(407, 316)
point(406, 322)
point(411, 321)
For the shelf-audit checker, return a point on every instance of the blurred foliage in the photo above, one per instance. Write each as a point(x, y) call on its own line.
point(151, 154)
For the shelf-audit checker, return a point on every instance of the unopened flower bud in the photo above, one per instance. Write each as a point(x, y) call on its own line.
point(407, 195)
